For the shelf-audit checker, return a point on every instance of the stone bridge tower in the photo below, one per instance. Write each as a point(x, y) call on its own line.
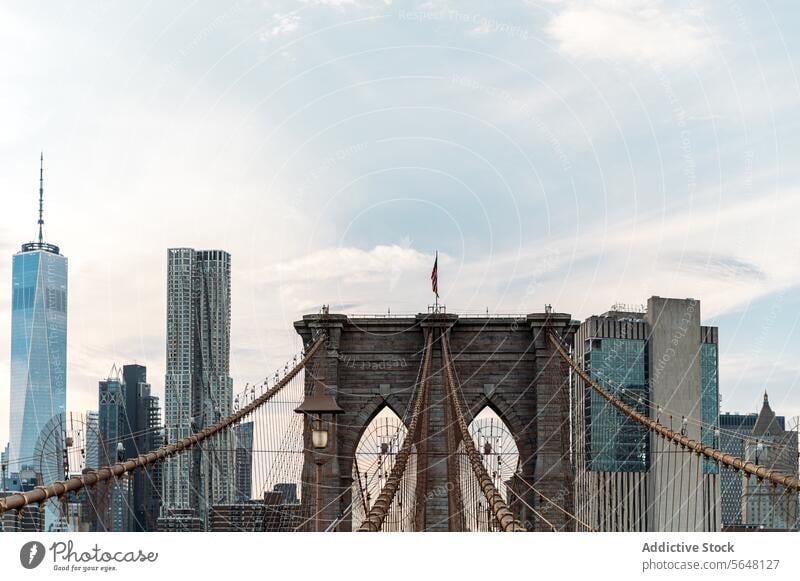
point(502, 362)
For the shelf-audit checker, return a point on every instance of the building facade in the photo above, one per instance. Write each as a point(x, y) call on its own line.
point(141, 434)
point(662, 362)
point(113, 505)
point(735, 429)
point(243, 436)
point(611, 452)
point(27, 520)
point(148, 482)
point(198, 386)
point(92, 454)
point(128, 424)
point(765, 506)
point(38, 385)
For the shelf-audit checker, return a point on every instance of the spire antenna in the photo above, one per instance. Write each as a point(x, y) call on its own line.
point(41, 196)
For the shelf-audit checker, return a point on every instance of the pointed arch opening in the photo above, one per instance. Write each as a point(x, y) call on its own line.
point(375, 456)
point(501, 458)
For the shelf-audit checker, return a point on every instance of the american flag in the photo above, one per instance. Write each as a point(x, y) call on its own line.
point(435, 276)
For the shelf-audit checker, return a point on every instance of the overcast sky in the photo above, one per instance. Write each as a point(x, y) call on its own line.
point(575, 153)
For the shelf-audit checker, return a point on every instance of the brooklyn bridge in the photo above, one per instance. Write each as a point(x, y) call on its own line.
point(443, 422)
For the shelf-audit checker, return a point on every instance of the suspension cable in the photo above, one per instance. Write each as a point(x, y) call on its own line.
point(761, 472)
point(62, 487)
point(377, 513)
point(533, 510)
point(558, 506)
point(499, 507)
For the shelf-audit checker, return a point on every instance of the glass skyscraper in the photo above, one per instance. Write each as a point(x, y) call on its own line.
point(709, 394)
point(243, 436)
point(38, 343)
point(114, 511)
point(615, 442)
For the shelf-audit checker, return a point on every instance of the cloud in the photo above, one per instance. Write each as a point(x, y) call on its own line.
point(705, 252)
point(717, 266)
point(638, 31)
point(282, 24)
point(353, 264)
point(754, 373)
point(351, 279)
point(346, 3)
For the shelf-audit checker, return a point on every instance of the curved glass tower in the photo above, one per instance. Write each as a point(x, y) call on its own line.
point(38, 344)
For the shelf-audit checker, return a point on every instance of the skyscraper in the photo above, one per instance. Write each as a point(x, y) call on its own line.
point(38, 341)
point(141, 435)
point(735, 430)
point(769, 445)
point(198, 387)
point(662, 362)
point(127, 425)
point(92, 458)
point(113, 504)
point(4, 469)
point(243, 437)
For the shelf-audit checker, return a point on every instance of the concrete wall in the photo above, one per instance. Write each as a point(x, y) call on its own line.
point(675, 476)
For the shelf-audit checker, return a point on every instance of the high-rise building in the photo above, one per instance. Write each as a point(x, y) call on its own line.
point(662, 362)
point(142, 435)
point(4, 469)
point(198, 386)
point(113, 503)
point(766, 506)
point(243, 436)
point(134, 381)
point(735, 429)
point(127, 425)
point(38, 342)
point(92, 453)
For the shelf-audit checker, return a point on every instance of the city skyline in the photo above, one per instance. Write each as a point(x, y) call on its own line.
point(793, 422)
point(171, 131)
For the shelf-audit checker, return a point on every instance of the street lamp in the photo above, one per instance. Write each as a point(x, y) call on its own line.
point(317, 406)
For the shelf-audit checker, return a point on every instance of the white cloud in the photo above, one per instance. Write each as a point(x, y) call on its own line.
point(352, 279)
point(708, 253)
point(639, 31)
point(283, 24)
point(352, 264)
point(343, 3)
point(778, 375)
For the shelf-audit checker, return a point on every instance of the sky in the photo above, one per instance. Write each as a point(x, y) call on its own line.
point(578, 154)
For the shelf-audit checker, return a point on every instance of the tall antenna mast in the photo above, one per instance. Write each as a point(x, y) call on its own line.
point(41, 196)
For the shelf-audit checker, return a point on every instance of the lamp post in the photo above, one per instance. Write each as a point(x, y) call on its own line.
point(316, 407)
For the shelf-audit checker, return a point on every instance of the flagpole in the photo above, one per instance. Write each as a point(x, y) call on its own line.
point(436, 292)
